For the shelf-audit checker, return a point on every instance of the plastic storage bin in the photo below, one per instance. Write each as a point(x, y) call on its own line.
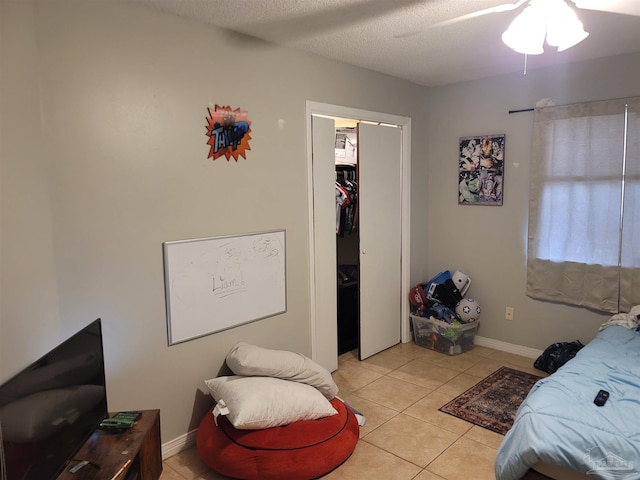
point(443, 337)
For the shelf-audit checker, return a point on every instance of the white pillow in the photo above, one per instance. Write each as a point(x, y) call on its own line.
point(250, 360)
point(263, 402)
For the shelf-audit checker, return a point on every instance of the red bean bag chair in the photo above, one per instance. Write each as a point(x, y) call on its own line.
point(299, 451)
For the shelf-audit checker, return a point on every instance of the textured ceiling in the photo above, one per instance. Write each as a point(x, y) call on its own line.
point(400, 37)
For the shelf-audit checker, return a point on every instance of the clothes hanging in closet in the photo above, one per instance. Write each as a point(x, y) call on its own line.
point(346, 201)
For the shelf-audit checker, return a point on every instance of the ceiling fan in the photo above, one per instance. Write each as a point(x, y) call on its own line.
point(554, 20)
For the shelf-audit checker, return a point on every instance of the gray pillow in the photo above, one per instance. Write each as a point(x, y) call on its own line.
point(250, 360)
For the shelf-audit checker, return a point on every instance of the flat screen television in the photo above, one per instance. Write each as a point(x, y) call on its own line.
point(49, 409)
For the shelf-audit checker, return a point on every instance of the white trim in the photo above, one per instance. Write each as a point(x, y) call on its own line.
point(507, 347)
point(177, 445)
point(405, 332)
point(317, 108)
point(312, 244)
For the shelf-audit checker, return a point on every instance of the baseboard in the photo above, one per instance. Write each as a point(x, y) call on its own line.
point(179, 444)
point(507, 347)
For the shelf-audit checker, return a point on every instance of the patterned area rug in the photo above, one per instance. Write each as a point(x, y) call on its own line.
point(493, 402)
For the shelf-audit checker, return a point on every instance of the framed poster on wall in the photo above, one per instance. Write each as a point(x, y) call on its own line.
point(481, 170)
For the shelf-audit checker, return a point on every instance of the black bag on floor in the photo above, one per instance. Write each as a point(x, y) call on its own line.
point(556, 355)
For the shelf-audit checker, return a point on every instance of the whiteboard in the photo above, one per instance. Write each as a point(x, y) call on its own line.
point(213, 284)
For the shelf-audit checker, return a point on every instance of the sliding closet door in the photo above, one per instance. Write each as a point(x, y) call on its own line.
point(324, 245)
point(380, 228)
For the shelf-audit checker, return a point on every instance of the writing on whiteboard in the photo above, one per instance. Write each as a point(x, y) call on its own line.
point(217, 283)
point(229, 277)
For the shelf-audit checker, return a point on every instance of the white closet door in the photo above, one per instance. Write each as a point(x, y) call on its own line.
point(380, 229)
point(324, 225)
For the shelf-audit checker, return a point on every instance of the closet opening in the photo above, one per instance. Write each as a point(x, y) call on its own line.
point(347, 238)
point(378, 246)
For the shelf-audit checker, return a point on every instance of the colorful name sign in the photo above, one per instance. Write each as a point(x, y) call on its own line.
point(228, 131)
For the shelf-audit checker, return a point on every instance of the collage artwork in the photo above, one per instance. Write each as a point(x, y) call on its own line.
point(481, 170)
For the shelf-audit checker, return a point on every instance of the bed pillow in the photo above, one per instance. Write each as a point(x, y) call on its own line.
point(252, 403)
point(250, 360)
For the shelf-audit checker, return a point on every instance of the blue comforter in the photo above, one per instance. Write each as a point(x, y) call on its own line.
point(558, 423)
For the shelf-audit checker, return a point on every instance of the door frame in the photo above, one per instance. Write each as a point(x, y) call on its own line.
point(329, 110)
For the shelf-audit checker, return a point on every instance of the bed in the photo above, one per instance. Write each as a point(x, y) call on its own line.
point(558, 426)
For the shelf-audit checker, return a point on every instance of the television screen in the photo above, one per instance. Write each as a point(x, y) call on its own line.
point(48, 410)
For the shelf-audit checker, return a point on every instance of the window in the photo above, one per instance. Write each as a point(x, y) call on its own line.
point(584, 214)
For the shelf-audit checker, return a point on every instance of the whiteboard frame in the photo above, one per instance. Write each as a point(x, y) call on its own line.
point(176, 318)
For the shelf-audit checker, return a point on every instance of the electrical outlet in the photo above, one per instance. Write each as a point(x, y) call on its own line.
point(508, 313)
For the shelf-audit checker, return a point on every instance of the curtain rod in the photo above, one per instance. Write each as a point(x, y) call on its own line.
point(522, 110)
point(626, 99)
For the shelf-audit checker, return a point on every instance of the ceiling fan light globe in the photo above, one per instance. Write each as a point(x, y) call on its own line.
point(522, 45)
point(527, 31)
point(564, 29)
point(577, 38)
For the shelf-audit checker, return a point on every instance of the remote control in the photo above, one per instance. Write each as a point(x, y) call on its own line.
point(77, 467)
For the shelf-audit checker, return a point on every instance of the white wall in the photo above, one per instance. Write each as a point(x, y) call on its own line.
point(489, 243)
point(104, 157)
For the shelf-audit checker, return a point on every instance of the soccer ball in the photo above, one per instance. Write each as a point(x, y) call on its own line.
point(468, 310)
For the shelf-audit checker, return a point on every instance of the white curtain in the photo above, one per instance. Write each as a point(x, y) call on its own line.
point(584, 211)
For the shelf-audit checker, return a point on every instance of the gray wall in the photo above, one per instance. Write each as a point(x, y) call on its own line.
point(489, 243)
point(104, 157)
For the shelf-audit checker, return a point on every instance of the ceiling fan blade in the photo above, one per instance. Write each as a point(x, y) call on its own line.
point(505, 7)
point(624, 7)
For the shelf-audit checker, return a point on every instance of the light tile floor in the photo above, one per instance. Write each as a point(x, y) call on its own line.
point(405, 437)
